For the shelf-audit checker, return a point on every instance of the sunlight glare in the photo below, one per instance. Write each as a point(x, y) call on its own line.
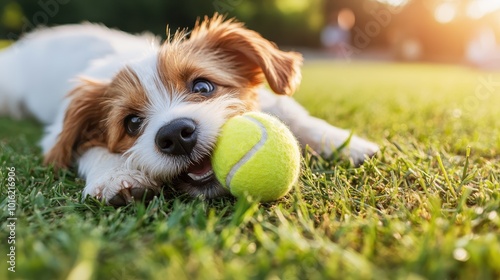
point(445, 12)
point(346, 19)
point(395, 3)
point(478, 8)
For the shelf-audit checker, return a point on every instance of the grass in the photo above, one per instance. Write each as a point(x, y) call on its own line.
point(426, 208)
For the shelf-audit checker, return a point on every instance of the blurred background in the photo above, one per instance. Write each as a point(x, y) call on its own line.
point(450, 31)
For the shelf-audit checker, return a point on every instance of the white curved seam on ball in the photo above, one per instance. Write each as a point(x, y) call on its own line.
point(250, 153)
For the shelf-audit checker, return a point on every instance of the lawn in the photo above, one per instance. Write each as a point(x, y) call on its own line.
point(427, 207)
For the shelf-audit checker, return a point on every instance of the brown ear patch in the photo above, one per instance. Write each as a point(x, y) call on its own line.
point(83, 123)
point(253, 54)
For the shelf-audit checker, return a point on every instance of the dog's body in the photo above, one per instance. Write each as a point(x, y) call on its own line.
point(117, 123)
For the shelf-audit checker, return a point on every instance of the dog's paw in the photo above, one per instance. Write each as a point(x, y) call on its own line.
point(360, 149)
point(330, 140)
point(119, 187)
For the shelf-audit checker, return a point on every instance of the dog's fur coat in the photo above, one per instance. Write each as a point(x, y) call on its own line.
point(108, 99)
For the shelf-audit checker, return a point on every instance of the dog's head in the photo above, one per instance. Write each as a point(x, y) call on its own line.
point(164, 112)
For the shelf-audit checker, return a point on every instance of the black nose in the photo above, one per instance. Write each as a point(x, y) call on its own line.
point(177, 137)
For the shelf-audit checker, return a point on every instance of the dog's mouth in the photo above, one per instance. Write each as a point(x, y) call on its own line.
point(199, 173)
point(199, 180)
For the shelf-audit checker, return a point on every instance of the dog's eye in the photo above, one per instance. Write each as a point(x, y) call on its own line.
point(203, 87)
point(133, 124)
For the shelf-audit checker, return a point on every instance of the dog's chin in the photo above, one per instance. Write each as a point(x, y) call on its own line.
point(199, 181)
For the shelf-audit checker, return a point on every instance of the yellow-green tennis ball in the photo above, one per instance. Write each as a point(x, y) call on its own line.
point(257, 155)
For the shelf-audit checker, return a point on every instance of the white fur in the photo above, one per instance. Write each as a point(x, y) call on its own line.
point(106, 175)
point(37, 72)
point(41, 68)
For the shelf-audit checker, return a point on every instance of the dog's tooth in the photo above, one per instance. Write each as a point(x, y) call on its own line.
point(200, 177)
point(209, 173)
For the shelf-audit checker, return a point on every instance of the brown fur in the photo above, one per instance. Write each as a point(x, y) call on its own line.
point(126, 96)
point(252, 54)
point(82, 123)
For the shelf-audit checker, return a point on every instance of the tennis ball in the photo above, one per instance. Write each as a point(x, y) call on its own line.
point(256, 155)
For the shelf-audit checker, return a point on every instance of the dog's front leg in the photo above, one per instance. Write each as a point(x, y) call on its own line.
point(108, 178)
point(318, 134)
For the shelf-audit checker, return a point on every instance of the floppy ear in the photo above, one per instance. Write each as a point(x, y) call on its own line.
point(255, 55)
point(83, 124)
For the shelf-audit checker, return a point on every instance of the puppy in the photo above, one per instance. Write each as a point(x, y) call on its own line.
point(133, 114)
